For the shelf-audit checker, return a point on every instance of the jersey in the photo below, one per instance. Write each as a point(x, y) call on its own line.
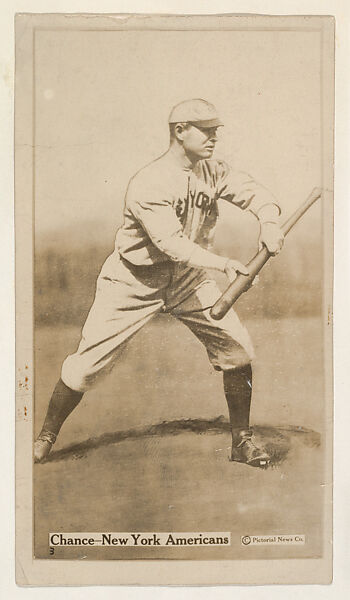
point(171, 211)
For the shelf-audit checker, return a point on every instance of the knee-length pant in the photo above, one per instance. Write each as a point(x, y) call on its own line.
point(128, 296)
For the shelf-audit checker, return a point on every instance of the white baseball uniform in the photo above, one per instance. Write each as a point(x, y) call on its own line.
point(159, 262)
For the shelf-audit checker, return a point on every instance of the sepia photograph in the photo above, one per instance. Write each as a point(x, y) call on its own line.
point(174, 248)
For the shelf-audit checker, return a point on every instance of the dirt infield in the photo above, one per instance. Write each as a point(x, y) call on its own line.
point(148, 449)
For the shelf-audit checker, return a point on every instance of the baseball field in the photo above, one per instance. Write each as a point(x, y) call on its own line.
point(148, 449)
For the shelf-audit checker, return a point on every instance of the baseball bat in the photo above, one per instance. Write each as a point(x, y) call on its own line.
point(243, 282)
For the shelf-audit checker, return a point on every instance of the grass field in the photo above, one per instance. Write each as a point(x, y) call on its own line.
point(147, 449)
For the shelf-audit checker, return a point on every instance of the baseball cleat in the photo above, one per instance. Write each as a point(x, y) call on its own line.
point(249, 452)
point(43, 445)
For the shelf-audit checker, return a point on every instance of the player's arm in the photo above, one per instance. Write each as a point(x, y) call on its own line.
point(243, 191)
point(158, 219)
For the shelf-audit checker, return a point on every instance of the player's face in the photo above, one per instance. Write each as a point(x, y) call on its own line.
point(199, 142)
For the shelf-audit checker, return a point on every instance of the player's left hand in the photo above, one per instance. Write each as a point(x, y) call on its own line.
point(271, 236)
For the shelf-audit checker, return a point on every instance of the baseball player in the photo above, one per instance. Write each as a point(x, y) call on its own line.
point(162, 263)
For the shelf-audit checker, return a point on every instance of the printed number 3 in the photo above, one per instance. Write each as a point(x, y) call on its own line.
point(52, 551)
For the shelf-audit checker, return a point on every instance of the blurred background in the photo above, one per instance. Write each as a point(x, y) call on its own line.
point(102, 100)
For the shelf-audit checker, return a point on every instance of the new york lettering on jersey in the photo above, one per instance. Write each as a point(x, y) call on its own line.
point(197, 209)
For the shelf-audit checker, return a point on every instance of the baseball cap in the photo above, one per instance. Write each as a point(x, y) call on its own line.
point(197, 111)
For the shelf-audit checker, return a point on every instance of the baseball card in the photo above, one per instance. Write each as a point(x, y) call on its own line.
point(174, 251)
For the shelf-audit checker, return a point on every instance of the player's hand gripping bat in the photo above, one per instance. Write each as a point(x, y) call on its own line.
point(243, 282)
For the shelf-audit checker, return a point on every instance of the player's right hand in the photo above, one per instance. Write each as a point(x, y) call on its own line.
point(233, 267)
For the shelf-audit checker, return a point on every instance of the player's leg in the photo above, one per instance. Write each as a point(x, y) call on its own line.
point(230, 350)
point(124, 302)
point(238, 393)
point(238, 386)
point(62, 402)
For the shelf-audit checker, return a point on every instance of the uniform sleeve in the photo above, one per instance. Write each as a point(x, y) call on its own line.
point(155, 213)
point(241, 189)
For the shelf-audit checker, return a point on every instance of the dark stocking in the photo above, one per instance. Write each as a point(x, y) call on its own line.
point(238, 392)
point(63, 401)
